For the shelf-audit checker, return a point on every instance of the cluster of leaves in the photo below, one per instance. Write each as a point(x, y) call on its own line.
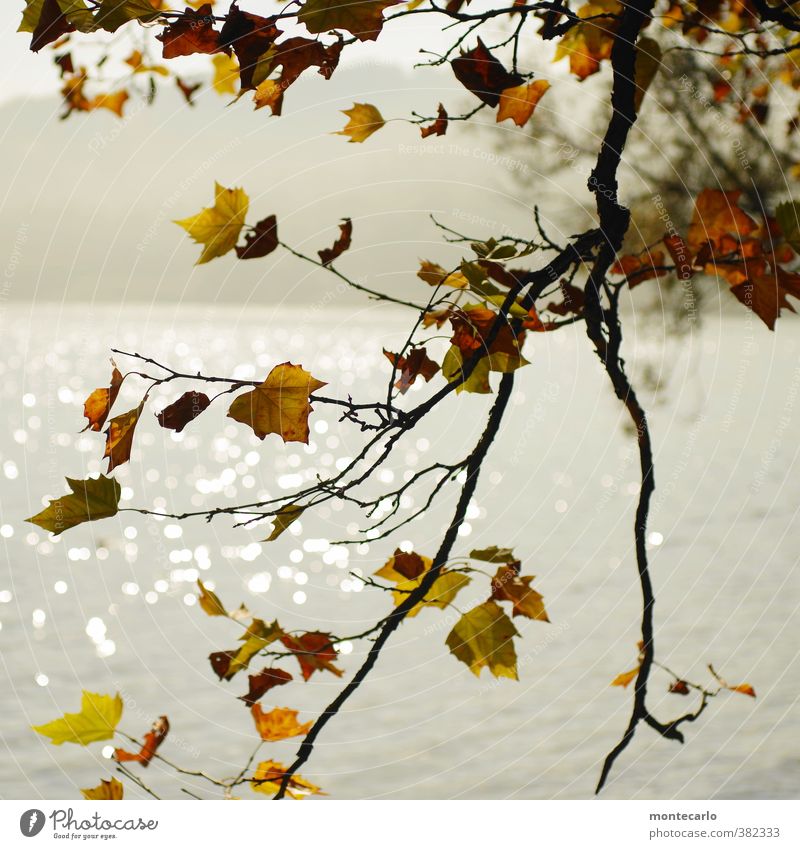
point(723, 241)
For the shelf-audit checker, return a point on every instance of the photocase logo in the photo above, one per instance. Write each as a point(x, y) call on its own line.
point(31, 822)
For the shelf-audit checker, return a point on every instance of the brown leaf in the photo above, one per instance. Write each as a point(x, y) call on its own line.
point(262, 240)
point(640, 267)
point(98, 405)
point(416, 364)
point(482, 74)
point(52, 24)
point(438, 127)
point(328, 255)
point(313, 651)
point(250, 37)
point(193, 33)
point(679, 687)
point(186, 409)
point(119, 437)
point(509, 585)
point(152, 740)
point(187, 90)
point(262, 682)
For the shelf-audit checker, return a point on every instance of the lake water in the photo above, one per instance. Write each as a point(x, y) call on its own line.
point(108, 606)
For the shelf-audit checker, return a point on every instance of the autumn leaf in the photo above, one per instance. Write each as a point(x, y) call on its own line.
point(262, 682)
point(152, 740)
point(493, 554)
point(91, 499)
point(257, 637)
point(716, 215)
point(416, 364)
point(98, 405)
point(209, 601)
point(186, 409)
point(48, 20)
point(483, 637)
point(625, 678)
point(744, 689)
point(187, 90)
point(278, 724)
point(678, 251)
point(364, 120)
point(226, 74)
point(250, 37)
point(572, 300)
point(119, 437)
point(314, 652)
point(193, 33)
point(114, 14)
point(648, 62)
point(590, 42)
point(217, 228)
point(519, 102)
point(640, 267)
point(97, 720)
point(279, 405)
point(328, 255)
point(788, 217)
point(433, 274)
point(407, 569)
point(268, 93)
point(482, 74)
point(261, 240)
point(105, 791)
point(438, 127)
point(679, 687)
point(287, 514)
point(268, 778)
point(509, 585)
point(362, 18)
point(453, 371)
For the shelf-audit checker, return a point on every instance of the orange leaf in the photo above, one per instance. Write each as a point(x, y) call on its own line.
point(313, 651)
point(625, 678)
point(152, 740)
point(278, 724)
point(98, 405)
point(519, 102)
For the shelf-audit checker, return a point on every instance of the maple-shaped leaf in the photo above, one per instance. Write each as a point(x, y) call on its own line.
point(268, 93)
point(590, 42)
point(209, 601)
point(509, 585)
point(362, 18)
point(114, 14)
point(186, 409)
point(217, 228)
point(296, 55)
point(416, 364)
point(119, 437)
point(269, 776)
point(152, 740)
point(679, 253)
point(278, 724)
point(262, 682)
point(226, 74)
point(625, 678)
point(716, 215)
point(484, 75)
point(407, 569)
point(314, 652)
point(187, 90)
point(98, 405)
point(287, 514)
point(261, 240)
point(193, 33)
point(257, 637)
point(105, 791)
point(98, 718)
point(438, 127)
point(91, 499)
point(278, 405)
point(453, 371)
point(364, 120)
point(484, 637)
point(640, 267)
point(519, 102)
point(250, 37)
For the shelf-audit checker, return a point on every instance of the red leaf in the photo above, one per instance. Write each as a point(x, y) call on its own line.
point(313, 651)
point(262, 241)
point(194, 33)
point(479, 72)
point(438, 127)
point(152, 740)
point(328, 255)
point(263, 682)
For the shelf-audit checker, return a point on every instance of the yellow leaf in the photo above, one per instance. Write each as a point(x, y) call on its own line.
point(97, 720)
point(278, 724)
point(283, 519)
point(119, 437)
point(625, 678)
point(116, 13)
point(105, 790)
point(433, 274)
point(744, 689)
point(92, 499)
point(268, 93)
point(478, 380)
point(209, 601)
point(279, 405)
point(217, 228)
point(406, 571)
point(226, 74)
point(519, 102)
point(268, 776)
point(362, 18)
point(483, 637)
point(364, 121)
